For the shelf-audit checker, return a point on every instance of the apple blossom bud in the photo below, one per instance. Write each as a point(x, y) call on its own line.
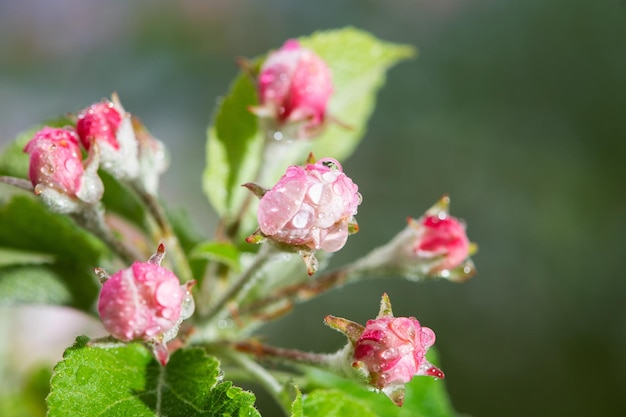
point(294, 87)
point(441, 237)
point(435, 245)
point(310, 206)
point(109, 126)
point(56, 170)
point(145, 302)
point(99, 123)
point(389, 351)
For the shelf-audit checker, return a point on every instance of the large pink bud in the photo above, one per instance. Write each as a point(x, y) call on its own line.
point(311, 206)
point(56, 170)
point(441, 238)
point(392, 351)
point(145, 302)
point(294, 86)
point(389, 350)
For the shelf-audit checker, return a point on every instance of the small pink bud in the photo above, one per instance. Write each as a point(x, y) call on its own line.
point(145, 302)
point(56, 170)
point(391, 350)
point(294, 86)
point(441, 237)
point(107, 125)
point(99, 123)
point(310, 206)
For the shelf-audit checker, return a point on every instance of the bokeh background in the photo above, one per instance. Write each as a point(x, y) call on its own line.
point(516, 108)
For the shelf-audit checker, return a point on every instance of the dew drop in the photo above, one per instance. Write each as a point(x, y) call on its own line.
point(300, 220)
point(389, 353)
point(223, 324)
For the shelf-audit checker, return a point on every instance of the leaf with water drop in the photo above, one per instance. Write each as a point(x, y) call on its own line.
point(127, 380)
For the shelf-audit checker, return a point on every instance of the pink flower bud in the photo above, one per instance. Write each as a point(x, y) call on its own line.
point(441, 237)
point(392, 351)
point(145, 302)
point(294, 86)
point(108, 126)
point(99, 123)
point(311, 206)
point(56, 170)
point(389, 351)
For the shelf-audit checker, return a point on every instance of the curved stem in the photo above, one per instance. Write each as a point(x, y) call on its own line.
point(92, 219)
point(260, 374)
point(238, 286)
point(303, 291)
point(166, 231)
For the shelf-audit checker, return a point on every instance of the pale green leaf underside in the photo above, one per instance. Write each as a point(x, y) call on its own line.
point(40, 235)
point(127, 381)
point(358, 62)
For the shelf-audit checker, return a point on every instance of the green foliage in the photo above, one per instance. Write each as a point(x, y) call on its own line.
point(28, 226)
point(126, 380)
point(32, 284)
point(358, 62)
point(223, 252)
point(234, 148)
point(29, 401)
point(335, 403)
point(425, 397)
point(297, 405)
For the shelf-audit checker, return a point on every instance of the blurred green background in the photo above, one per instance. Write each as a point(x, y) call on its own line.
point(516, 108)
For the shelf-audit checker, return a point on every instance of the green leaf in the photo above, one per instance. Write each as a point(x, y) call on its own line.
point(425, 396)
point(297, 405)
point(20, 257)
point(32, 285)
point(222, 252)
point(358, 62)
point(28, 226)
point(233, 148)
point(127, 381)
point(335, 403)
point(26, 398)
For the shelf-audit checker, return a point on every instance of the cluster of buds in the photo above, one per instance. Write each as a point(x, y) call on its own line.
point(114, 141)
point(145, 302)
point(294, 87)
point(388, 351)
point(310, 208)
point(128, 151)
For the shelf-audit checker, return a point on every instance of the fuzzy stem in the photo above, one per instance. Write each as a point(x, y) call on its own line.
point(166, 231)
point(92, 219)
point(17, 182)
point(262, 351)
point(238, 286)
point(305, 290)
